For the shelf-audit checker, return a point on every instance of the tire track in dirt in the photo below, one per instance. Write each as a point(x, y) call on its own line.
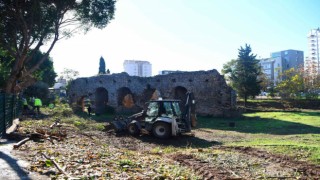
point(307, 171)
point(203, 168)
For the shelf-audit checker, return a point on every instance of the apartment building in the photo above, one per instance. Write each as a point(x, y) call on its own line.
point(281, 61)
point(137, 68)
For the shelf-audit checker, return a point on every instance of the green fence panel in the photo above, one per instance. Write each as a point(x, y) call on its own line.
point(2, 114)
point(10, 108)
point(17, 108)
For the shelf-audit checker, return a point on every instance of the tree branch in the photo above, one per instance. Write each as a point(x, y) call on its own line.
point(9, 49)
point(46, 55)
point(34, 50)
point(57, 166)
point(72, 31)
point(21, 143)
point(26, 82)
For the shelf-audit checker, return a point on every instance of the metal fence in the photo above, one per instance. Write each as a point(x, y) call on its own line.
point(10, 108)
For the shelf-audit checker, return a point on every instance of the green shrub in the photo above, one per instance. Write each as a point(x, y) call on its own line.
point(98, 126)
point(311, 95)
point(67, 112)
point(80, 125)
point(63, 110)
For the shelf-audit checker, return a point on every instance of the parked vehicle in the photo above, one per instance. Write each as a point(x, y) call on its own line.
point(162, 118)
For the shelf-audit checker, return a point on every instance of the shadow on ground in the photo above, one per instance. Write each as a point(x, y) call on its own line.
point(260, 125)
point(9, 167)
point(181, 141)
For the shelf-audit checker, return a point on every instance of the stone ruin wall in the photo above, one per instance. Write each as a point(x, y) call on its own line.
point(123, 92)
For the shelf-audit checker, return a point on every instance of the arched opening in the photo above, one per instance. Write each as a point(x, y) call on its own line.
point(155, 95)
point(81, 103)
point(181, 94)
point(125, 97)
point(101, 100)
point(149, 94)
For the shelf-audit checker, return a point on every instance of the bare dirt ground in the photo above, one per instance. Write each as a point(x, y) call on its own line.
point(248, 163)
point(105, 155)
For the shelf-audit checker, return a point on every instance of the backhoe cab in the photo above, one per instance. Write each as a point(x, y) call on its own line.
point(162, 118)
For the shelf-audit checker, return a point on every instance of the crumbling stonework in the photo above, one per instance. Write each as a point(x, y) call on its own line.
point(213, 96)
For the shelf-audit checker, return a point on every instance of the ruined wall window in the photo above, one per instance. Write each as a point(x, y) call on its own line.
point(129, 81)
point(86, 81)
point(190, 80)
point(73, 95)
point(173, 80)
point(158, 80)
point(207, 80)
point(114, 81)
point(100, 82)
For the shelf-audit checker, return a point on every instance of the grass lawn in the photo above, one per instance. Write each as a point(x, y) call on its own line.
point(291, 133)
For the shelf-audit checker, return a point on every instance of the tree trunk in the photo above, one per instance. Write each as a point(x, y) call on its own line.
point(17, 74)
point(10, 84)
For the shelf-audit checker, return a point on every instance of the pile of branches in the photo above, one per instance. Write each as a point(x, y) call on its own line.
point(39, 135)
point(51, 133)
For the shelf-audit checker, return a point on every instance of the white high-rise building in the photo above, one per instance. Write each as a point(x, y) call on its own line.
point(314, 47)
point(137, 68)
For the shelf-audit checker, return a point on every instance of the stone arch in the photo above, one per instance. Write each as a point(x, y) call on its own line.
point(155, 95)
point(125, 97)
point(81, 103)
point(149, 93)
point(180, 93)
point(101, 100)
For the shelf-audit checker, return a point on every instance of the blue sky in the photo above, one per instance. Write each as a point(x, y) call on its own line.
point(189, 35)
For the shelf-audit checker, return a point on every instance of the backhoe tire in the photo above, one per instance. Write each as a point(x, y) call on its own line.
point(133, 129)
point(161, 130)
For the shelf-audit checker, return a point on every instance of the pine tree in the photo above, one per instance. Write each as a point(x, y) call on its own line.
point(102, 66)
point(245, 75)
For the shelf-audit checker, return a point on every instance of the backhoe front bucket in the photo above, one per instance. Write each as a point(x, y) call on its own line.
point(120, 123)
point(119, 126)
